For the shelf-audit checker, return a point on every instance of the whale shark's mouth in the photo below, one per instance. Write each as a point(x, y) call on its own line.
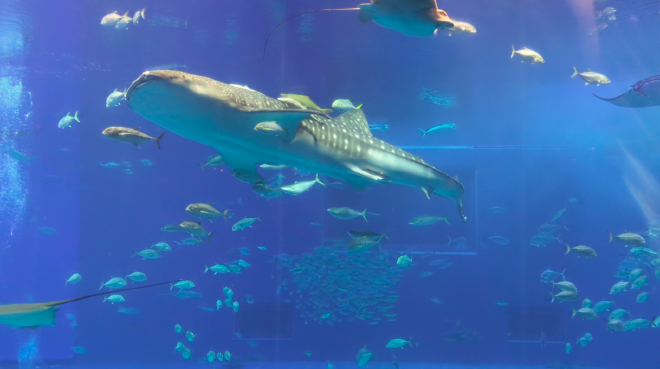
point(151, 76)
point(144, 78)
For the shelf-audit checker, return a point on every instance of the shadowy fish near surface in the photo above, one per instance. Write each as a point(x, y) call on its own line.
point(224, 116)
point(558, 215)
point(16, 155)
point(427, 220)
point(410, 17)
point(498, 240)
point(436, 98)
point(372, 234)
point(497, 210)
point(364, 242)
point(130, 135)
point(460, 242)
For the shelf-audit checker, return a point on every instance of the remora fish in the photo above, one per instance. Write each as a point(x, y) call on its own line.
point(224, 116)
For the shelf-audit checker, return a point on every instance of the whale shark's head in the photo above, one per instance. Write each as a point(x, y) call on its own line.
point(152, 87)
point(183, 103)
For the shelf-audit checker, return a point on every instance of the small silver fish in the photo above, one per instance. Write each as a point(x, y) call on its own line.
point(347, 213)
point(110, 20)
point(591, 77)
point(124, 21)
point(137, 15)
point(527, 55)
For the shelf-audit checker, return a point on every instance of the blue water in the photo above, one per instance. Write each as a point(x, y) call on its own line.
point(528, 138)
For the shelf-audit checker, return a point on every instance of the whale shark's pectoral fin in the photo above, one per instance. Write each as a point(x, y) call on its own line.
point(366, 173)
point(427, 192)
point(242, 167)
point(357, 183)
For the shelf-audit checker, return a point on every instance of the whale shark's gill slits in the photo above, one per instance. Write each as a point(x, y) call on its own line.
point(311, 131)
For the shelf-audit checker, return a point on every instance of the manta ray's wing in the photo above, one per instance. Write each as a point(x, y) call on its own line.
point(647, 95)
point(410, 17)
point(43, 313)
point(28, 315)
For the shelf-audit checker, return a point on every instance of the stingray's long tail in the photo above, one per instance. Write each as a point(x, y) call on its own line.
point(263, 57)
point(106, 292)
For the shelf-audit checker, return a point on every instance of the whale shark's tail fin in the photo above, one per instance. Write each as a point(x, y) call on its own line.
point(446, 187)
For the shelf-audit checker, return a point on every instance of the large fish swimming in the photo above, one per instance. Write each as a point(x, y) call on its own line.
point(223, 116)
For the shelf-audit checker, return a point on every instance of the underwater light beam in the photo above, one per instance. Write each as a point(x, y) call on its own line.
point(644, 187)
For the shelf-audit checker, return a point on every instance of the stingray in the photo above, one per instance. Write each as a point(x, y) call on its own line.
point(410, 17)
point(43, 313)
point(642, 94)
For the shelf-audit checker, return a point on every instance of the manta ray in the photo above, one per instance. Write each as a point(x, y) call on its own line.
point(410, 17)
point(224, 117)
point(642, 94)
point(43, 313)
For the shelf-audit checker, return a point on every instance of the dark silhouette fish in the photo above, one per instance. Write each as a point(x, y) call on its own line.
point(542, 340)
point(642, 94)
point(410, 17)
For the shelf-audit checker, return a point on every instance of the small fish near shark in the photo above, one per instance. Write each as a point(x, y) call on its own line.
point(643, 94)
point(410, 17)
point(223, 116)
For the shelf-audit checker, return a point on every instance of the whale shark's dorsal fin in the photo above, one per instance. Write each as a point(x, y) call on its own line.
point(355, 120)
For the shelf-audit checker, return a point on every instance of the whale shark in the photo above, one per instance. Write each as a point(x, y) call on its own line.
point(223, 116)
